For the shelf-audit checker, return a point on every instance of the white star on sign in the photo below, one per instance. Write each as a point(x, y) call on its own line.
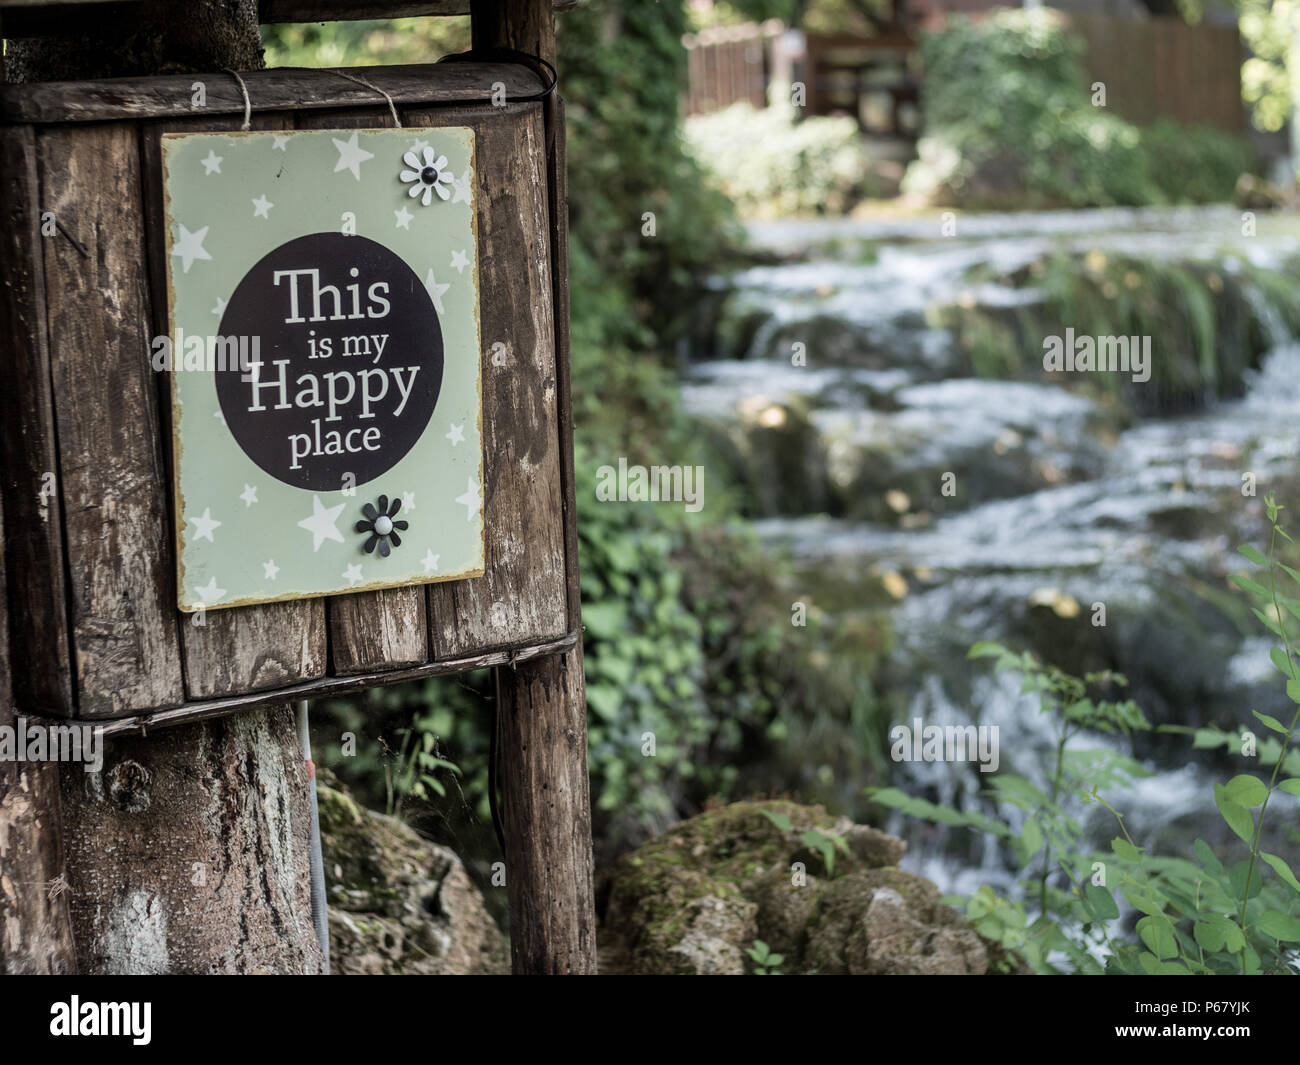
point(220, 308)
point(322, 523)
point(403, 218)
point(455, 434)
point(430, 561)
point(280, 141)
point(419, 146)
point(459, 260)
point(470, 500)
point(270, 569)
point(435, 291)
point(212, 164)
point(353, 576)
point(262, 207)
point(462, 186)
point(190, 247)
point(351, 155)
point(209, 593)
point(248, 495)
point(204, 524)
point(408, 500)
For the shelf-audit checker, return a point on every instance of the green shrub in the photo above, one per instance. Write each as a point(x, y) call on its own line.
point(1009, 121)
point(773, 166)
point(1198, 914)
point(1195, 164)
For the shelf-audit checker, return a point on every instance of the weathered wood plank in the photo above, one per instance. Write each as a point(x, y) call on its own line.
point(521, 597)
point(119, 542)
point(541, 705)
point(387, 628)
point(29, 468)
point(171, 96)
point(333, 686)
point(35, 929)
point(42, 18)
point(558, 182)
point(242, 649)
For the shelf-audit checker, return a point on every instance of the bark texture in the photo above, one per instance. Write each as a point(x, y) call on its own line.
point(166, 38)
point(35, 931)
point(188, 850)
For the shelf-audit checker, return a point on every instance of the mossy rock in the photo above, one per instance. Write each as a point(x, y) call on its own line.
point(397, 902)
point(694, 900)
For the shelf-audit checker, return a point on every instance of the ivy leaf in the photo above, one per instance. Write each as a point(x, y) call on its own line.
point(1269, 721)
point(1255, 589)
point(1246, 790)
point(1277, 925)
point(1282, 869)
point(1100, 903)
point(1252, 554)
point(1291, 786)
point(780, 820)
point(1125, 849)
point(1237, 816)
point(1158, 934)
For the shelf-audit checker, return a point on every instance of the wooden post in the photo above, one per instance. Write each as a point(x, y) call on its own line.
point(542, 703)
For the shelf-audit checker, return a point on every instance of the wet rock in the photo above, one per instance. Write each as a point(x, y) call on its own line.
point(694, 900)
point(398, 903)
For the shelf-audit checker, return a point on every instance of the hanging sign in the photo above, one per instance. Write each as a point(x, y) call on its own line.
point(324, 360)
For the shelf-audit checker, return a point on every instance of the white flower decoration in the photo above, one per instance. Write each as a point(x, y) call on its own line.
point(429, 176)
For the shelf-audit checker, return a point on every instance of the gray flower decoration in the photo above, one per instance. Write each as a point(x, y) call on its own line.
point(381, 526)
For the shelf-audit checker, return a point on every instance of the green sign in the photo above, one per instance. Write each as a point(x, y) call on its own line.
point(325, 362)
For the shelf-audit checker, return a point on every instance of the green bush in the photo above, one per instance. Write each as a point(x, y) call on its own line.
point(1198, 914)
point(1009, 122)
point(772, 166)
point(1195, 164)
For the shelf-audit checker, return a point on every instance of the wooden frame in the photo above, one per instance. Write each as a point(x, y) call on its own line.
point(90, 593)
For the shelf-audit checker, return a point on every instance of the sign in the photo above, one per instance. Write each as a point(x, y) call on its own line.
point(325, 361)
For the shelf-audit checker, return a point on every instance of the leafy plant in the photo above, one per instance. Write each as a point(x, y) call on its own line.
point(766, 963)
point(1008, 120)
point(412, 774)
point(1197, 916)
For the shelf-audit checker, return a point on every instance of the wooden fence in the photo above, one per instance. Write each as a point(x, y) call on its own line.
point(1163, 68)
point(727, 65)
point(1152, 68)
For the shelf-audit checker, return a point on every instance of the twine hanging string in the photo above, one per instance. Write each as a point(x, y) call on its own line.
point(537, 64)
point(248, 103)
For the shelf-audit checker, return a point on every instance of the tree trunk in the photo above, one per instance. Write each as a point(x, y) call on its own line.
point(188, 850)
point(542, 705)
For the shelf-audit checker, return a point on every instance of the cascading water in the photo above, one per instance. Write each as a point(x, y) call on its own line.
point(1068, 505)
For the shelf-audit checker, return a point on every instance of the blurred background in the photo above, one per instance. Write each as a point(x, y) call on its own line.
point(816, 248)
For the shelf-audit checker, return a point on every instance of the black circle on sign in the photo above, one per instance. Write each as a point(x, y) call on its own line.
point(347, 365)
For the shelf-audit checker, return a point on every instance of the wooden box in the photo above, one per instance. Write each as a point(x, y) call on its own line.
point(86, 421)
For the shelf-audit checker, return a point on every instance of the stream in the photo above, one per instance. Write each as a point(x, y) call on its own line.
point(1057, 502)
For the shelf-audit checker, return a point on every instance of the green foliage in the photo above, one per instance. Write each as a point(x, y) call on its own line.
point(1197, 916)
point(1210, 321)
point(624, 70)
point(771, 165)
point(1194, 164)
point(369, 42)
point(1265, 80)
point(766, 962)
point(1009, 121)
